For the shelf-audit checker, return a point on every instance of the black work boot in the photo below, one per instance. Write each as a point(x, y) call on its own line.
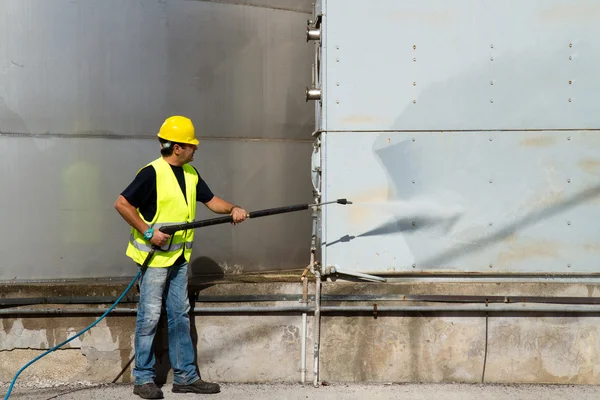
point(148, 391)
point(198, 386)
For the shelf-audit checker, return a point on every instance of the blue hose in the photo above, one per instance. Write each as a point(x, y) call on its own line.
point(79, 334)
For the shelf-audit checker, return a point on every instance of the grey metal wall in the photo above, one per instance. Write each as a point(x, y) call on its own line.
point(466, 132)
point(84, 87)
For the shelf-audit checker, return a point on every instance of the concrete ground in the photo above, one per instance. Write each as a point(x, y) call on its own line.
point(330, 392)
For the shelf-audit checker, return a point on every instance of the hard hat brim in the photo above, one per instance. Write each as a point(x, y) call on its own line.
point(195, 142)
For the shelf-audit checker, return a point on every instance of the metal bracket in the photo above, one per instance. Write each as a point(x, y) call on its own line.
point(334, 270)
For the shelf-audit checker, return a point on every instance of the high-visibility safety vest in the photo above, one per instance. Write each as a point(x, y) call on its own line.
point(171, 208)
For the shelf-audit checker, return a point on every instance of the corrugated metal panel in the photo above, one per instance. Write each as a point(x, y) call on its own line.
point(461, 65)
point(60, 222)
point(84, 84)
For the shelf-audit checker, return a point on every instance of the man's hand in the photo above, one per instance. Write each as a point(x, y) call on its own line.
point(159, 239)
point(238, 214)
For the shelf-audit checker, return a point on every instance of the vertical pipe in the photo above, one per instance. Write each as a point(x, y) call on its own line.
point(317, 322)
point(303, 356)
point(303, 350)
point(313, 249)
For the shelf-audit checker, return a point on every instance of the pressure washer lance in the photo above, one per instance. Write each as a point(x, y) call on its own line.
point(170, 230)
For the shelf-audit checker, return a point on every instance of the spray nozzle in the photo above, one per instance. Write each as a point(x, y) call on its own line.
point(343, 201)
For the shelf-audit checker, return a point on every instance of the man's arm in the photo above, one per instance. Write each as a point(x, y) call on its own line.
point(130, 215)
point(137, 193)
point(216, 204)
point(220, 206)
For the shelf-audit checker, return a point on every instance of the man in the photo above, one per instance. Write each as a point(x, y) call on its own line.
point(165, 192)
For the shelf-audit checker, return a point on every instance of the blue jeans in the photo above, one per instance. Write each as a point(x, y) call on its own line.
point(168, 285)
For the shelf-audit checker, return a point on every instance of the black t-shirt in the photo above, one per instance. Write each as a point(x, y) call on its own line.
point(141, 193)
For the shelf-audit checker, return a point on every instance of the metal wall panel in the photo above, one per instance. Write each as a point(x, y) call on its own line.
point(303, 6)
point(466, 134)
point(60, 223)
point(481, 202)
point(118, 68)
point(84, 87)
point(461, 65)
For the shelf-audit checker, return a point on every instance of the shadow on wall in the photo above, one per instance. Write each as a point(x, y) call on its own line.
point(205, 267)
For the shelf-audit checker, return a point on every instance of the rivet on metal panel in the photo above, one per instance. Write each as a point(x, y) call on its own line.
point(492, 83)
point(491, 265)
point(570, 82)
point(491, 100)
point(491, 58)
point(414, 102)
point(413, 181)
point(414, 265)
point(568, 181)
point(414, 60)
point(568, 265)
point(491, 139)
point(570, 44)
point(413, 139)
point(337, 84)
point(414, 83)
point(491, 180)
point(568, 222)
point(570, 57)
point(337, 102)
point(492, 45)
point(491, 223)
point(570, 100)
point(414, 46)
point(569, 138)
point(337, 47)
point(337, 59)
point(414, 223)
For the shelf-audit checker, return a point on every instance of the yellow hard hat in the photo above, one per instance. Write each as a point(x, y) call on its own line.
point(178, 129)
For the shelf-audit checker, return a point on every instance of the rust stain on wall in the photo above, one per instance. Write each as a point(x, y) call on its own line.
point(565, 12)
point(591, 247)
point(518, 252)
point(359, 215)
point(539, 141)
point(590, 166)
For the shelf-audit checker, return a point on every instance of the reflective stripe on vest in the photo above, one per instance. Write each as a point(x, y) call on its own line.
point(171, 208)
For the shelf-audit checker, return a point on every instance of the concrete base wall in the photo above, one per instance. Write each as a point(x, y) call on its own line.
point(391, 347)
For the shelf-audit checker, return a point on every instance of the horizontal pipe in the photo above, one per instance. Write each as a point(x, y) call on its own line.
point(324, 298)
point(199, 310)
point(332, 309)
point(468, 308)
point(23, 301)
